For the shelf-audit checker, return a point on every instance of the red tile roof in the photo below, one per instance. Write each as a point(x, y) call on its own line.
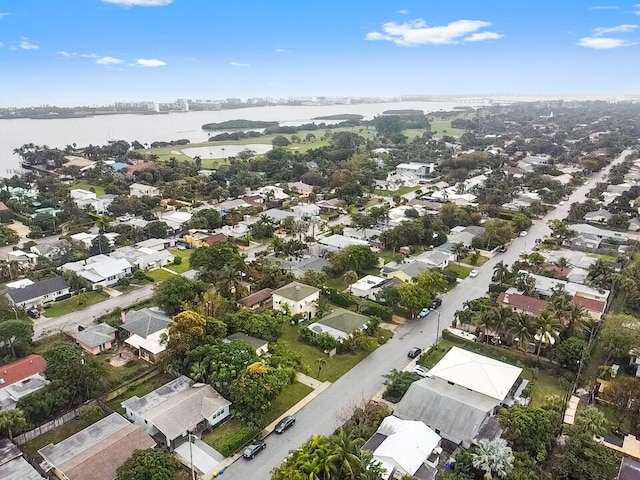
point(522, 302)
point(139, 167)
point(590, 304)
point(21, 369)
point(3, 207)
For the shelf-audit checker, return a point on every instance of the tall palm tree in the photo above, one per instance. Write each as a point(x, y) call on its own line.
point(501, 272)
point(522, 327)
point(350, 278)
point(562, 263)
point(347, 453)
point(547, 329)
point(498, 319)
point(459, 250)
point(575, 319)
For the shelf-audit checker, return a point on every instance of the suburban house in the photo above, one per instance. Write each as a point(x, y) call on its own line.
point(50, 250)
point(600, 233)
point(24, 259)
point(521, 303)
point(405, 448)
point(298, 298)
point(175, 220)
point(13, 465)
point(415, 170)
point(364, 234)
point(144, 258)
point(298, 266)
point(146, 328)
point(461, 395)
point(37, 294)
point(306, 210)
point(403, 271)
point(157, 243)
point(273, 192)
point(87, 238)
point(142, 190)
point(340, 324)
point(367, 287)
point(176, 409)
point(547, 286)
point(259, 345)
point(599, 216)
point(277, 216)
point(100, 270)
point(335, 243)
point(257, 300)
point(21, 378)
point(437, 258)
point(301, 188)
point(199, 239)
point(96, 338)
point(85, 198)
point(97, 451)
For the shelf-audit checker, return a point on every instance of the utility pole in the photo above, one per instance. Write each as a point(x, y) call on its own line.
point(193, 473)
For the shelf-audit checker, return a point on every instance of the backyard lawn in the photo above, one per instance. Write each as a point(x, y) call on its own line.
point(140, 390)
point(69, 305)
point(185, 255)
point(54, 436)
point(87, 186)
point(159, 274)
point(121, 375)
point(334, 368)
point(459, 271)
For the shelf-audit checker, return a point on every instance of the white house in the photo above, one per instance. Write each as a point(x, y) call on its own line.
point(415, 170)
point(175, 220)
point(144, 258)
point(338, 242)
point(306, 210)
point(405, 447)
point(340, 324)
point(142, 190)
point(601, 233)
point(299, 298)
point(87, 238)
point(367, 286)
point(37, 294)
point(85, 198)
point(274, 192)
point(172, 411)
point(147, 328)
point(100, 270)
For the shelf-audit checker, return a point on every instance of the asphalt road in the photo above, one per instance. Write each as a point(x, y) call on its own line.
point(331, 408)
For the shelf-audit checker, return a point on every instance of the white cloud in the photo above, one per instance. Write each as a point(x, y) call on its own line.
point(109, 61)
point(617, 29)
point(150, 62)
point(64, 53)
point(417, 32)
point(140, 3)
point(4, 14)
point(603, 43)
point(88, 55)
point(637, 12)
point(482, 36)
point(26, 44)
point(604, 7)
point(403, 12)
point(238, 64)
point(283, 50)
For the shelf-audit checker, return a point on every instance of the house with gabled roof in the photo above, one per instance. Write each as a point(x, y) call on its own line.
point(146, 327)
point(298, 298)
point(340, 324)
point(21, 378)
point(96, 338)
point(258, 345)
point(176, 409)
point(37, 294)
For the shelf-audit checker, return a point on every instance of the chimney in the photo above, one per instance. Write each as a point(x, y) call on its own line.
point(506, 298)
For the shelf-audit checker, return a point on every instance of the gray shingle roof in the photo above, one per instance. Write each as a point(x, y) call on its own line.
point(253, 342)
point(19, 469)
point(296, 291)
point(344, 320)
point(96, 335)
point(38, 289)
point(145, 322)
point(454, 411)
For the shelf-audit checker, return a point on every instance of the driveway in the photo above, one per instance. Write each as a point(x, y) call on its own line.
point(331, 408)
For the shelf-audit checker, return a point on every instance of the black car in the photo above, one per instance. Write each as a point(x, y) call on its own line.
point(436, 303)
point(414, 352)
point(285, 424)
point(253, 449)
point(33, 313)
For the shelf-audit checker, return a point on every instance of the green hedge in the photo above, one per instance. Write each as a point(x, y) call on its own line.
point(338, 298)
point(373, 309)
point(238, 440)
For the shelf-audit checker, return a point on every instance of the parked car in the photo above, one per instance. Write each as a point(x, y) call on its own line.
point(502, 248)
point(436, 303)
point(285, 424)
point(473, 273)
point(33, 313)
point(254, 449)
point(424, 312)
point(414, 352)
point(523, 233)
point(420, 371)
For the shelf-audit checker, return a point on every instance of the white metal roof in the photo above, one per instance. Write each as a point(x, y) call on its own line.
point(476, 372)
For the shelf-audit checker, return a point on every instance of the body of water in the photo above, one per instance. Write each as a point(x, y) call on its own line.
point(225, 151)
point(173, 126)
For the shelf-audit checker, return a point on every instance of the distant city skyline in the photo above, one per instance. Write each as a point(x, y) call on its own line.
point(98, 52)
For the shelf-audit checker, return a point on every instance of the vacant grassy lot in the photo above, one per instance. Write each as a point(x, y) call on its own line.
point(54, 436)
point(140, 390)
point(185, 255)
point(69, 305)
point(120, 375)
point(88, 186)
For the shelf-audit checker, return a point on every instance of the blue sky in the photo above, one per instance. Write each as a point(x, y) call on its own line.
point(98, 51)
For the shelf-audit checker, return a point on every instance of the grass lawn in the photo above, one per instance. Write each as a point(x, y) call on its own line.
point(441, 126)
point(401, 191)
point(185, 255)
point(432, 356)
point(336, 282)
point(459, 271)
point(291, 395)
point(88, 186)
point(69, 305)
point(121, 375)
point(54, 436)
point(479, 262)
point(159, 275)
point(544, 385)
point(140, 390)
point(44, 344)
point(388, 256)
point(335, 367)
point(125, 289)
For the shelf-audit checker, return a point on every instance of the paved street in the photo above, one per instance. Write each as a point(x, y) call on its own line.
point(332, 407)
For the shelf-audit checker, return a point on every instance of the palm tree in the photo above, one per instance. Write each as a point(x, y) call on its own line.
point(350, 278)
point(562, 263)
point(493, 457)
point(592, 421)
point(459, 250)
point(320, 362)
point(347, 453)
point(522, 328)
point(547, 329)
point(498, 319)
point(12, 420)
point(81, 299)
point(575, 319)
point(501, 272)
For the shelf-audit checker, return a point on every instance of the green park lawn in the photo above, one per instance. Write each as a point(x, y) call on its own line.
point(335, 366)
point(69, 305)
point(185, 255)
point(159, 274)
point(88, 186)
point(441, 126)
point(459, 271)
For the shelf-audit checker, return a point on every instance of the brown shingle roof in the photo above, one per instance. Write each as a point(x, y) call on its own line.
point(211, 240)
point(256, 298)
point(522, 302)
point(590, 304)
point(140, 167)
